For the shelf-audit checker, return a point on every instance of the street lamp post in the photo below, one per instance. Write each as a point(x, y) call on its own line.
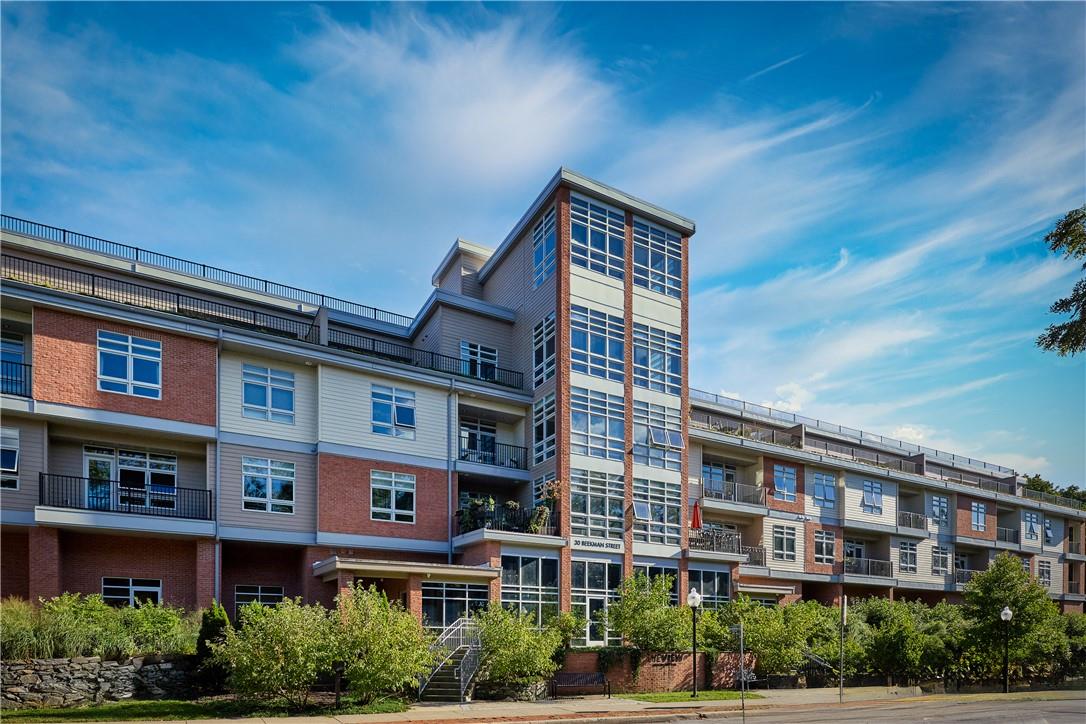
point(1006, 614)
point(693, 600)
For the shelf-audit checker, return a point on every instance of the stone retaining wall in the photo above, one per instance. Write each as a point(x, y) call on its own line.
point(90, 680)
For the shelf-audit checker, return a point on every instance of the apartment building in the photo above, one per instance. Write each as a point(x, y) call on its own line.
point(179, 432)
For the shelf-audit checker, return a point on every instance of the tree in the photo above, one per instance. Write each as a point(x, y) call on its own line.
point(644, 616)
point(514, 651)
point(1069, 238)
point(775, 635)
point(1036, 482)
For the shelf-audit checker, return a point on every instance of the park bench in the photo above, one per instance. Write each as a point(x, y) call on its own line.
point(579, 681)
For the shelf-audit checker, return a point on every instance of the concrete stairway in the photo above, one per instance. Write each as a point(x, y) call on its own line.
point(444, 685)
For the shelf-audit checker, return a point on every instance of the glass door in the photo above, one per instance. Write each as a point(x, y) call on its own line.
point(98, 470)
point(597, 633)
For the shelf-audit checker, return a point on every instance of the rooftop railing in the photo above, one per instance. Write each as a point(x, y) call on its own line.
point(761, 433)
point(196, 269)
point(112, 496)
point(871, 457)
point(1054, 499)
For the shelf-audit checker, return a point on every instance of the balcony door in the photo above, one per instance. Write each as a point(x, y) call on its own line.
point(12, 357)
point(478, 441)
point(99, 470)
point(855, 549)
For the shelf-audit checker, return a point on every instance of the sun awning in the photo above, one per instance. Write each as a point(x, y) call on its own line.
point(330, 568)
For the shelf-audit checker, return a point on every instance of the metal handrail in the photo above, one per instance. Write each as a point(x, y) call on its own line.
point(1054, 499)
point(462, 632)
point(504, 519)
point(716, 541)
point(735, 492)
point(1007, 535)
point(15, 378)
point(469, 664)
point(869, 567)
point(871, 457)
point(908, 519)
point(112, 496)
point(755, 555)
point(760, 433)
point(499, 454)
point(196, 269)
point(963, 575)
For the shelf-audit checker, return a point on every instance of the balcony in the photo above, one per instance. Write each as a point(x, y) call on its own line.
point(537, 521)
point(1073, 546)
point(1074, 587)
point(963, 575)
point(15, 378)
point(735, 493)
point(864, 455)
point(869, 567)
point(111, 496)
point(716, 541)
point(728, 426)
point(1007, 535)
point(905, 519)
point(755, 555)
point(498, 454)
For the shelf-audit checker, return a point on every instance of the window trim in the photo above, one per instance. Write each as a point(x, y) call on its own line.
point(544, 361)
point(787, 533)
point(943, 552)
point(597, 216)
point(400, 397)
point(907, 551)
point(544, 416)
point(655, 343)
point(130, 354)
point(940, 514)
point(785, 473)
point(596, 326)
point(646, 236)
point(260, 594)
point(976, 507)
point(1044, 573)
point(820, 485)
point(545, 234)
point(393, 487)
point(268, 501)
point(871, 497)
point(483, 358)
point(273, 379)
point(10, 440)
point(132, 589)
point(821, 539)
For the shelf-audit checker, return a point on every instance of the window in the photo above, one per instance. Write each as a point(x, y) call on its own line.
point(784, 483)
point(393, 411)
point(977, 512)
point(13, 376)
point(597, 424)
point(477, 360)
point(906, 556)
point(658, 259)
point(664, 502)
point(530, 585)
point(940, 560)
point(657, 359)
point(824, 544)
point(543, 248)
point(717, 475)
point(267, 394)
point(825, 495)
point(597, 343)
point(940, 509)
point(597, 237)
point(657, 435)
point(1032, 521)
point(1044, 573)
point(784, 543)
point(855, 549)
point(267, 485)
point(1050, 536)
point(443, 603)
point(392, 496)
point(872, 497)
point(129, 365)
point(543, 343)
point(264, 595)
point(131, 591)
point(543, 429)
point(654, 572)
point(714, 586)
point(596, 503)
point(147, 479)
point(478, 441)
point(593, 584)
point(1025, 564)
point(9, 458)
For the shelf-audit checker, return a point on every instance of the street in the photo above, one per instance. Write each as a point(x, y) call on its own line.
point(1021, 712)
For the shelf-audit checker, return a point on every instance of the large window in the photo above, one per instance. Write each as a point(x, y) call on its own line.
point(824, 543)
point(443, 603)
point(1050, 536)
point(264, 595)
point(657, 359)
point(654, 572)
point(478, 360)
point(657, 511)
point(906, 553)
point(1044, 573)
point(543, 429)
point(530, 585)
point(597, 237)
point(714, 586)
point(392, 496)
point(940, 560)
point(658, 259)
point(597, 343)
point(825, 494)
point(543, 248)
point(716, 475)
point(1032, 524)
point(597, 424)
point(478, 440)
point(540, 491)
point(131, 591)
point(393, 411)
point(544, 355)
point(9, 458)
point(872, 497)
point(784, 543)
point(129, 365)
point(147, 479)
point(596, 504)
point(784, 483)
point(940, 509)
point(977, 512)
point(267, 394)
point(267, 485)
point(657, 435)
point(593, 584)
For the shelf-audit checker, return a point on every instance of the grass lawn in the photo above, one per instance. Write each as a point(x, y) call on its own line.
point(200, 709)
point(668, 696)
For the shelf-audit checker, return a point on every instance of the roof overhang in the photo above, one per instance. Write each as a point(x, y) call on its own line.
point(330, 568)
point(460, 246)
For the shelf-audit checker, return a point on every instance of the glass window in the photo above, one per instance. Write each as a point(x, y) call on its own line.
point(393, 411)
point(392, 496)
point(654, 572)
point(714, 586)
point(597, 501)
point(530, 585)
point(129, 365)
point(597, 237)
point(940, 560)
point(267, 485)
point(594, 584)
point(543, 342)
point(872, 497)
point(597, 343)
point(658, 259)
point(977, 512)
point(267, 394)
point(1044, 573)
point(543, 429)
point(657, 359)
point(9, 458)
point(664, 503)
point(543, 248)
point(1032, 521)
point(784, 483)
point(784, 543)
point(264, 595)
point(656, 428)
point(477, 360)
point(825, 495)
point(147, 479)
point(824, 545)
point(540, 493)
point(444, 603)
point(1050, 536)
point(907, 556)
point(131, 591)
point(478, 440)
point(940, 509)
point(716, 475)
point(597, 424)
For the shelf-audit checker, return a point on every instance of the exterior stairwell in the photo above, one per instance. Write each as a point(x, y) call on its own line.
point(456, 661)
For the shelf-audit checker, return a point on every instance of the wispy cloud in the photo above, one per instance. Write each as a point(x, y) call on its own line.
point(771, 68)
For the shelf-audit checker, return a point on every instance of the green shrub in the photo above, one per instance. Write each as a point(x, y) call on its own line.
point(19, 630)
point(154, 627)
point(211, 674)
point(514, 651)
point(383, 647)
point(278, 652)
point(643, 615)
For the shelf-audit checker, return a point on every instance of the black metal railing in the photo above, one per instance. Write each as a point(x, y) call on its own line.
point(963, 575)
point(1007, 535)
point(728, 426)
point(499, 454)
point(755, 555)
point(518, 520)
point(869, 567)
point(15, 378)
point(111, 496)
point(192, 268)
point(905, 519)
point(734, 492)
point(716, 541)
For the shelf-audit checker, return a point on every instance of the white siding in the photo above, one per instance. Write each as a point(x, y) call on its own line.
point(304, 428)
point(1057, 572)
point(854, 497)
point(767, 541)
point(809, 493)
point(923, 560)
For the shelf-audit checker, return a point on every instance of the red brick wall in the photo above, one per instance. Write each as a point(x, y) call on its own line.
point(809, 564)
point(15, 572)
point(344, 499)
point(772, 502)
point(964, 520)
point(488, 553)
point(561, 392)
point(45, 557)
point(260, 565)
point(660, 672)
point(66, 369)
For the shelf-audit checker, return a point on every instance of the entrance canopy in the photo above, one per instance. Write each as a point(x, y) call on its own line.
point(330, 569)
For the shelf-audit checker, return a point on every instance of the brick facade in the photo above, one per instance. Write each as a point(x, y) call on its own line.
point(809, 565)
point(964, 521)
point(796, 506)
point(15, 573)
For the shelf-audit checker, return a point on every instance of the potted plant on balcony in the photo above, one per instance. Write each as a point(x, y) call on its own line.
point(540, 517)
point(475, 516)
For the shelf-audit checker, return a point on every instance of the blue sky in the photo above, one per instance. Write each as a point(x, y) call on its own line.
point(871, 181)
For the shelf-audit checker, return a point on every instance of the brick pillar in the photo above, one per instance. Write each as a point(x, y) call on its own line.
point(206, 550)
point(44, 578)
point(414, 595)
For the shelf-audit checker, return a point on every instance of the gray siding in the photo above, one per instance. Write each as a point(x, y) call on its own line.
point(305, 491)
point(32, 446)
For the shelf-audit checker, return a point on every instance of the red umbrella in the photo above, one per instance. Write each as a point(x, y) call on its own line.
point(695, 517)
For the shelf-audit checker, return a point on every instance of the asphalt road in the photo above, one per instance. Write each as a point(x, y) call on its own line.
point(1021, 712)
